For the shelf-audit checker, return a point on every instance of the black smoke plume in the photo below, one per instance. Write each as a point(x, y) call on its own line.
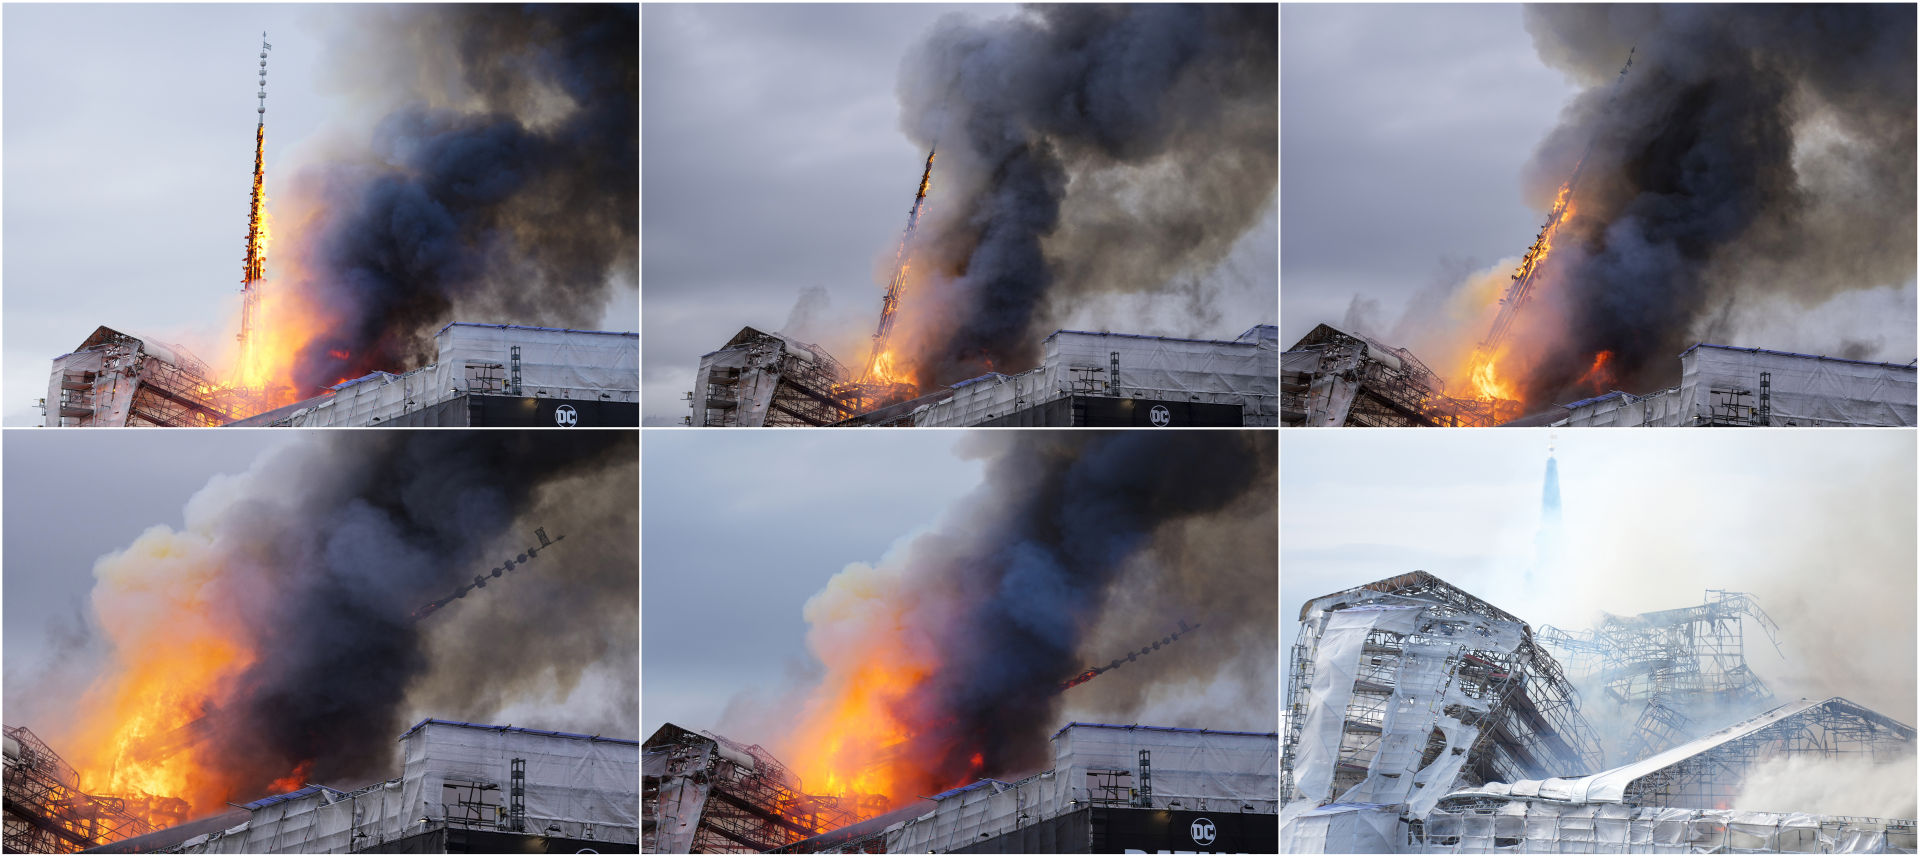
point(1756, 159)
point(1078, 548)
point(1082, 150)
point(503, 189)
point(318, 561)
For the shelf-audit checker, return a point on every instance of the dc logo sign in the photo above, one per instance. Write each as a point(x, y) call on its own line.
point(565, 416)
point(1204, 831)
point(1160, 416)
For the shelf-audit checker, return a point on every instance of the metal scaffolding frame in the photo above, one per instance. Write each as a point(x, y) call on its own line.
point(1533, 726)
point(46, 812)
point(1377, 386)
point(1713, 778)
point(752, 804)
point(1669, 662)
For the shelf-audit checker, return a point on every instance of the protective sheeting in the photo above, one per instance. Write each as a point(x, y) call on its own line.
point(1423, 696)
point(456, 774)
point(1243, 372)
point(1228, 771)
point(675, 816)
point(571, 365)
point(1529, 826)
point(1341, 828)
point(1723, 386)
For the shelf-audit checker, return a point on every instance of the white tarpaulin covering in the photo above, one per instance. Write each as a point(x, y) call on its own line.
point(1243, 372)
point(1803, 390)
point(583, 787)
point(1424, 697)
point(575, 365)
point(1340, 828)
point(1529, 826)
point(1202, 770)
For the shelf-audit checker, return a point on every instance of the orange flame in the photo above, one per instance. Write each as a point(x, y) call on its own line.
point(176, 649)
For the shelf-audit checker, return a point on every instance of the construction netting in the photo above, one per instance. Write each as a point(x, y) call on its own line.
point(1244, 372)
point(488, 359)
point(1341, 828)
point(1390, 737)
point(1528, 826)
point(457, 775)
point(1750, 386)
point(1101, 765)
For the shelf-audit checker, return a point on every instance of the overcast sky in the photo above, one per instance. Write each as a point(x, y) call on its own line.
point(773, 161)
point(1403, 132)
point(1820, 528)
point(71, 497)
point(129, 167)
point(741, 528)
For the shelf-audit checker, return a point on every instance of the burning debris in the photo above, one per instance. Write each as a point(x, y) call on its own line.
point(1423, 720)
point(274, 640)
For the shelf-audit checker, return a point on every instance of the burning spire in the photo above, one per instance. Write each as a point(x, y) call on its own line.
point(1485, 380)
point(880, 362)
point(255, 264)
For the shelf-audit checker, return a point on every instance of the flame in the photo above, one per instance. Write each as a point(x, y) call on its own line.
point(1599, 377)
point(1485, 377)
point(177, 647)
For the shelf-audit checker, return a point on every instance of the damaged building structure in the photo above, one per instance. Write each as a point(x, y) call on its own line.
point(1108, 789)
point(1335, 378)
point(1421, 719)
point(1095, 379)
point(482, 375)
point(463, 788)
point(1332, 378)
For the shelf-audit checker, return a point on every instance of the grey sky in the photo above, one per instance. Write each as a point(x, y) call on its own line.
point(128, 167)
point(739, 529)
point(1820, 528)
point(773, 162)
point(72, 497)
point(129, 163)
point(1403, 133)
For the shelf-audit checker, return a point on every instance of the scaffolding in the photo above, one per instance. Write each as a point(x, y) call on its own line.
point(114, 379)
point(1334, 378)
point(703, 793)
point(46, 812)
point(1404, 689)
point(773, 380)
point(1671, 664)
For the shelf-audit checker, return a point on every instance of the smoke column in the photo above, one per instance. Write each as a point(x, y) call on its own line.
point(503, 188)
point(1757, 161)
point(271, 641)
point(944, 662)
point(1082, 150)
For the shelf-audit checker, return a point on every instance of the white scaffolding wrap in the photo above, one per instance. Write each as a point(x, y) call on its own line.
point(1202, 770)
point(1244, 372)
point(571, 365)
point(1529, 826)
point(1721, 385)
point(456, 775)
point(1340, 828)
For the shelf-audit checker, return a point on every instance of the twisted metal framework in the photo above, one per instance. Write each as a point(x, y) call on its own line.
point(1387, 386)
point(1533, 728)
point(1835, 728)
point(753, 804)
point(46, 812)
point(1672, 661)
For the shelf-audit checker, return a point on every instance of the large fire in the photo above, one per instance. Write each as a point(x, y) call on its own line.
point(177, 645)
point(1486, 379)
